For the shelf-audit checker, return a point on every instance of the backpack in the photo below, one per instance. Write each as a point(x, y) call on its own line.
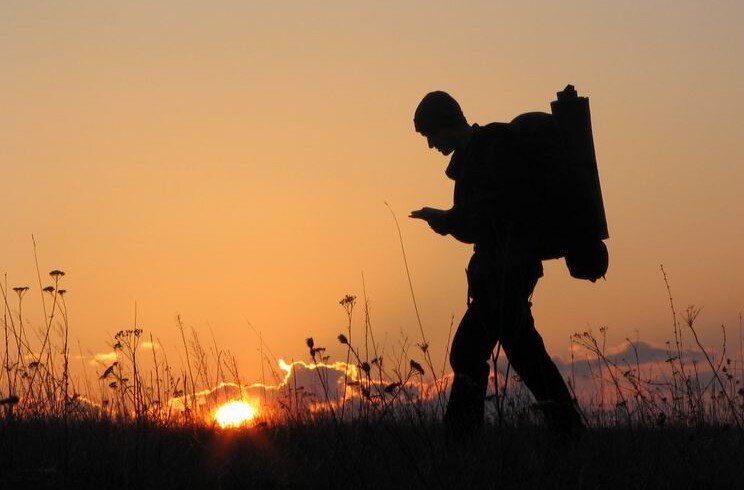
point(559, 199)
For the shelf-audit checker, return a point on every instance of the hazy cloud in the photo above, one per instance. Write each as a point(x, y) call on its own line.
point(147, 345)
point(103, 358)
point(310, 386)
point(638, 352)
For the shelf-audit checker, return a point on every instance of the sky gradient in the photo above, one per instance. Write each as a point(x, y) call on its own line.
point(229, 161)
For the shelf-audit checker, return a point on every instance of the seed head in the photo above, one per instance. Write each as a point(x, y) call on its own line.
point(11, 400)
point(391, 387)
point(106, 373)
point(415, 366)
point(347, 300)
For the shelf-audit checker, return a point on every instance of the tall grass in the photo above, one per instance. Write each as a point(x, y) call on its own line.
point(386, 400)
point(692, 386)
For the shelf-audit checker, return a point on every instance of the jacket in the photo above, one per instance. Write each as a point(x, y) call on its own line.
point(490, 186)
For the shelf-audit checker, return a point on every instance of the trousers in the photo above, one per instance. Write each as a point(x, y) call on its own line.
point(499, 311)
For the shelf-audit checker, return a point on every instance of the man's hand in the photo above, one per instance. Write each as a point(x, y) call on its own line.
point(436, 218)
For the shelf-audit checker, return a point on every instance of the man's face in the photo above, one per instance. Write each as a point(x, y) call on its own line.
point(442, 140)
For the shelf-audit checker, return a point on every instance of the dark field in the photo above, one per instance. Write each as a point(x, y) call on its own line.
point(100, 454)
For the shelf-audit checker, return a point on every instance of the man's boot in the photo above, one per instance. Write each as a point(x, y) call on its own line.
point(563, 419)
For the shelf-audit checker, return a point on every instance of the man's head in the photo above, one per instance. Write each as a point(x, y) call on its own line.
point(439, 118)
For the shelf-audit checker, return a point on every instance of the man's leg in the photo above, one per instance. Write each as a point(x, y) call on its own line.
point(526, 351)
point(471, 349)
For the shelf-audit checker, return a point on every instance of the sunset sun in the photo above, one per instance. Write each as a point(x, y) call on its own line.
point(234, 414)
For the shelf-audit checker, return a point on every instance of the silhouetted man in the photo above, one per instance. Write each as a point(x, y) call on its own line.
point(490, 186)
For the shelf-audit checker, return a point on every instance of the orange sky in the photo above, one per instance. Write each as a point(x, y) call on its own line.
point(230, 161)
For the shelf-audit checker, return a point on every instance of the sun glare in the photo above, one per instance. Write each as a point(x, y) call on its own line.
point(234, 414)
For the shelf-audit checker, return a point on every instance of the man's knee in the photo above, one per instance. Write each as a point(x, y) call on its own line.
point(523, 342)
point(460, 359)
point(468, 361)
point(470, 346)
